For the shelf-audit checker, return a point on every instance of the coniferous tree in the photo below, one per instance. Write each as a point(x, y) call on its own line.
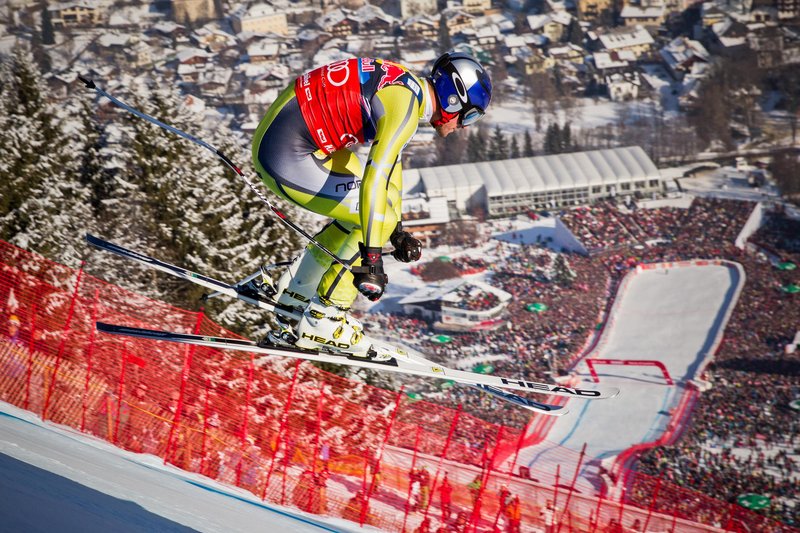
point(450, 149)
point(29, 148)
point(566, 139)
point(552, 139)
point(562, 273)
point(527, 145)
point(514, 150)
point(498, 148)
point(476, 146)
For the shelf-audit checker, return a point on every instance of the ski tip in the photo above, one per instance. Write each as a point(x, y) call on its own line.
point(610, 392)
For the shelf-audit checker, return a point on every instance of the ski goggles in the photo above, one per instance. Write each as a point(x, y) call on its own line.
point(470, 116)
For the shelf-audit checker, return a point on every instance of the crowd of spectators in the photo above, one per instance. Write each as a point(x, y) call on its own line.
point(472, 298)
point(753, 376)
point(598, 227)
point(751, 373)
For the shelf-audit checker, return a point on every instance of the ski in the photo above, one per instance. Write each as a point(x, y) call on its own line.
point(490, 384)
point(401, 362)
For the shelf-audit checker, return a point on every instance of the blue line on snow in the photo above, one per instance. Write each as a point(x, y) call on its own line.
point(574, 427)
point(264, 506)
point(577, 423)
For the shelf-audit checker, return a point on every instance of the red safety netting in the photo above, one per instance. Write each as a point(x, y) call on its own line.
point(293, 434)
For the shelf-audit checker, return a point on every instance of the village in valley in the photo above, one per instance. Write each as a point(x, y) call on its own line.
point(552, 61)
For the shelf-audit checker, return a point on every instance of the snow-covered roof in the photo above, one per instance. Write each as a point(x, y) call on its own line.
point(436, 208)
point(635, 36)
point(112, 39)
point(538, 174)
point(264, 48)
point(87, 4)
point(445, 292)
point(167, 27)
point(636, 12)
point(189, 53)
point(604, 60)
point(369, 12)
point(681, 50)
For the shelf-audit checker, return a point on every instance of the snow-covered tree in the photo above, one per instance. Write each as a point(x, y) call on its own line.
point(188, 207)
point(42, 201)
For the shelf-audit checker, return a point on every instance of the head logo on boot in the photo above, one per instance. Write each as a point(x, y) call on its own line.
point(326, 342)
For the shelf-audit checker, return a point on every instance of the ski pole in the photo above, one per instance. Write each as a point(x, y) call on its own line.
point(281, 216)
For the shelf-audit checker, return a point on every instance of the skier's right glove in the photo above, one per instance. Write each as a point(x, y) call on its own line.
point(406, 247)
point(369, 278)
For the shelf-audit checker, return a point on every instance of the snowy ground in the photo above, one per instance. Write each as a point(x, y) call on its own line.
point(55, 479)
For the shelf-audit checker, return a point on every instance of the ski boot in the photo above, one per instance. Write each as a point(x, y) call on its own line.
point(326, 327)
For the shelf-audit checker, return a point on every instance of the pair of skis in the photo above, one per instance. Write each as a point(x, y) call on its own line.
point(401, 360)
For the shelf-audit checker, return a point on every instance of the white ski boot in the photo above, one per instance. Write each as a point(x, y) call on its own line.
point(299, 282)
point(332, 329)
point(295, 287)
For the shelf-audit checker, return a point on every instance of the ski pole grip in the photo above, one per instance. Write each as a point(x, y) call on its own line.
point(89, 83)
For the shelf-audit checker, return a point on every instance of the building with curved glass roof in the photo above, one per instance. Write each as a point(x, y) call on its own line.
point(542, 182)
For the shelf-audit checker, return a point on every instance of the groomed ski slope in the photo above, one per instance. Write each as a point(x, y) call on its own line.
point(53, 478)
point(673, 315)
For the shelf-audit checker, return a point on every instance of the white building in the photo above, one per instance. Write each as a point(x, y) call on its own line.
point(448, 307)
point(260, 18)
point(542, 182)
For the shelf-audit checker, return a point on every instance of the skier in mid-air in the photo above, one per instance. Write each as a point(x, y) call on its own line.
point(300, 150)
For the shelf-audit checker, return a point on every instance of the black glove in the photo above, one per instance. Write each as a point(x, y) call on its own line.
point(369, 278)
point(406, 247)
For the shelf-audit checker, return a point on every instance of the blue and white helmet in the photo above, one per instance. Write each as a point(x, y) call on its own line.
point(462, 87)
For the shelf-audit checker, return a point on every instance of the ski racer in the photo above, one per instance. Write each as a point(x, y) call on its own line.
point(301, 152)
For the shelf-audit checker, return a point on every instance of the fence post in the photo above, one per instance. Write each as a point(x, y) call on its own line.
point(31, 348)
point(120, 390)
point(572, 487)
point(597, 512)
point(318, 431)
point(206, 414)
point(62, 345)
point(187, 366)
point(413, 466)
point(450, 433)
point(555, 489)
point(281, 427)
point(652, 503)
point(246, 420)
point(89, 353)
point(519, 446)
point(379, 457)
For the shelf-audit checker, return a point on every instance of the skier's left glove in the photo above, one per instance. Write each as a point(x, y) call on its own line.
point(406, 247)
point(369, 278)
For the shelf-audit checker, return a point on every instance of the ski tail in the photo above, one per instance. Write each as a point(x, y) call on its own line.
point(219, 287)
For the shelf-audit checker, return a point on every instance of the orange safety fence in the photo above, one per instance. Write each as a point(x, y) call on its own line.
point(291, 433)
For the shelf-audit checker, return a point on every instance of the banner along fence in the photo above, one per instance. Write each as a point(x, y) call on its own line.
point(285, 430)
